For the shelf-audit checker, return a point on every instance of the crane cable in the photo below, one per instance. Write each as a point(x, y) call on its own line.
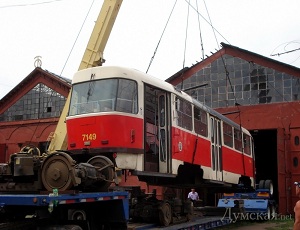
point(201, 41)
point(151, 60)
point(222, 58)
point(48, 142)
point(208, 22)
point(231, 86)
point(202, 47)
point(214, 32)
point(186, 33)
point(77, 38)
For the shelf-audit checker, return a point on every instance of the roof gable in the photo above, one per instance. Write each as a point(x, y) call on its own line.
point(38, 75)
point(235, 52)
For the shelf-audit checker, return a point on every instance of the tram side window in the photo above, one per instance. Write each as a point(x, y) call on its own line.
point(184, 112)
point(247, 144)
point(227, 135)
point(200, 121)
point(238, 140)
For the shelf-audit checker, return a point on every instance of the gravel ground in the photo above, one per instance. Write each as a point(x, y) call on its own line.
point(261, 226)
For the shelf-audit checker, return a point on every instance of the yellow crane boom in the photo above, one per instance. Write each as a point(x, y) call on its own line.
point(93, 56)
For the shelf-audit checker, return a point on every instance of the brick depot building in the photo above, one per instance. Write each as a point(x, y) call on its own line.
point(30, 111)
point(263, 96)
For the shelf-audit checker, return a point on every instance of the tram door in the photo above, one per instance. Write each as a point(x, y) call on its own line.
point(157, 130)
point(164, 133)
point(216, 150)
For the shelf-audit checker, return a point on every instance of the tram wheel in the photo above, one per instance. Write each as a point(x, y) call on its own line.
point(105, 170)
point(56, 172)
point(165, 214)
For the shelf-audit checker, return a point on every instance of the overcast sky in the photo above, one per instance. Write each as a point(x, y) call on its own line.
point(49, 28)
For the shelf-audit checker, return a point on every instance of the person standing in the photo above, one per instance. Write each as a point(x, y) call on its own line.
point(193, 195)
point(297, 208)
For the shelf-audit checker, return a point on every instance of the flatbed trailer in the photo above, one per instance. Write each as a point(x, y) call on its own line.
point(84, 211)
point(105, 210)
point(112, 210)
point(256, 205)
point(197, 223)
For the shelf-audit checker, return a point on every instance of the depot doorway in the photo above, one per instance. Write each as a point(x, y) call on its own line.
point(265, 151)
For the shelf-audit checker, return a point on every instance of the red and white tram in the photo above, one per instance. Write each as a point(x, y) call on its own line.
point(134, 121)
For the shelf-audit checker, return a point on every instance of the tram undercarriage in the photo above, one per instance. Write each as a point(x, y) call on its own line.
point(28, 171)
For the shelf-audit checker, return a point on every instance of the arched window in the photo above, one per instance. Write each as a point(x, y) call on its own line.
point(296, 140)
point(295, 162)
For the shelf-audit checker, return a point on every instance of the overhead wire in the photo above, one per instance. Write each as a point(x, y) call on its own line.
point(51, 1)
point(51, 95)
point(30, 4)
point(287, 51)
point(285, 48)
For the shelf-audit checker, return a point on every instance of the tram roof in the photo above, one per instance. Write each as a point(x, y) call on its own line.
point(124, 72)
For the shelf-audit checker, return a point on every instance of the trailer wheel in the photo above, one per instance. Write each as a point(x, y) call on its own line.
point(105, 169)
point(261, 184)
point(76, 214)
point(271, 212)
point(56, 172)
point(266, 184)
point(72, 227)
point(269, 185)
point(165, 214)
point(61, 227)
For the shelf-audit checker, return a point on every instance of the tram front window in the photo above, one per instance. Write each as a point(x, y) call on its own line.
point(104, 96)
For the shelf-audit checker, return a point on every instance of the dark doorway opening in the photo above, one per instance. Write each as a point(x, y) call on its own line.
point(2, 153)
point(265, 150)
